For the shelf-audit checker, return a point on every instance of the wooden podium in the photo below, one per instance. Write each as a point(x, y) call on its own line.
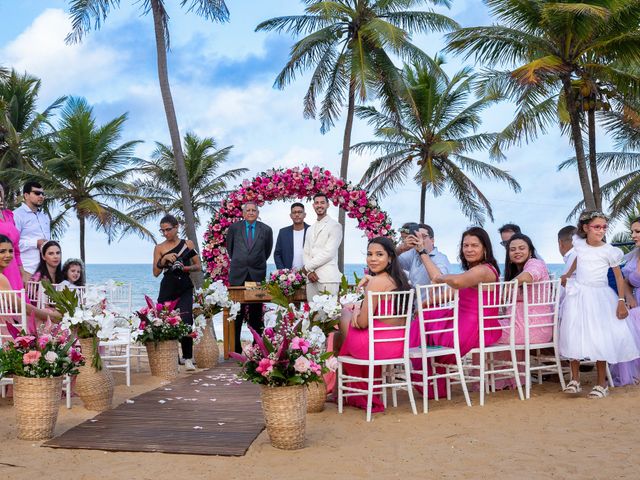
point(247, 295)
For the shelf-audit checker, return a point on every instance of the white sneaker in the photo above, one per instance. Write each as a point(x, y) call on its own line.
point(189, 366)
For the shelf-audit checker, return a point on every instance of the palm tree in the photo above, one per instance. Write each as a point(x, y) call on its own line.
point(348, 44)
point(85, 171)
point(555, 48)
point(20, 125)
point(85, 13)
point(435, 133)
point(206, 184)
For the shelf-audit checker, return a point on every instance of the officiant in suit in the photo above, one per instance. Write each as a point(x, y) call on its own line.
point(290, 243)
point(249, 244)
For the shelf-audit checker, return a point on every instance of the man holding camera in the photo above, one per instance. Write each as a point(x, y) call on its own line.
point(412, 252)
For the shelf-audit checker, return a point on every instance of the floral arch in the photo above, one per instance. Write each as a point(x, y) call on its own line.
point(288, 184)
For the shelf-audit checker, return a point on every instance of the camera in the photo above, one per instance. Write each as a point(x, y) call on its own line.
point(178, 264)
point(410, 228)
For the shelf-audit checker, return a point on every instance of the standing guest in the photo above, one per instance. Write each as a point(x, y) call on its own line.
point(595, 323)
point(385, 275)
point(49, 267)
point(13, 272)
point(290, 243)
point(628, 373)
point(34, 227)
point(176, 258)
point(73, 273)
point(249, 243)
point(565, 246)
point(321, 251)
point(421, 243)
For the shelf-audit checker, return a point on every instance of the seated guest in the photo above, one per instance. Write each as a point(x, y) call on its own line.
point(385, 275)
point(290, 243)
point(73, 273)
point(522, 265)
point(420, 242)
point(8, 228)
point(480, 266)
point(507, 231)
point(6, 257)
point(49, 267)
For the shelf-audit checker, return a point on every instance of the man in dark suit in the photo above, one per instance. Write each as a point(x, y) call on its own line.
point(249, 243)
point(290, 243)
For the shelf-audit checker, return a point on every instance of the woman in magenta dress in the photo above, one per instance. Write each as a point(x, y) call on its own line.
point(13, 272)
point(480, 266)
point(385, 275)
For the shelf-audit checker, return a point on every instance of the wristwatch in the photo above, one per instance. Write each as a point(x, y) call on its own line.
point(423, 252)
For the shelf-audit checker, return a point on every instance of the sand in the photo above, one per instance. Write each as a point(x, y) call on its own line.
point(549, 435)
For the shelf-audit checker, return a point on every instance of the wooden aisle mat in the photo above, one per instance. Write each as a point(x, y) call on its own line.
point(210, 412)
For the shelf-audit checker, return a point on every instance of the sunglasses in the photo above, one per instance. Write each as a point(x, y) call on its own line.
point(39, 193)
point(504, 243)
point(164, 230)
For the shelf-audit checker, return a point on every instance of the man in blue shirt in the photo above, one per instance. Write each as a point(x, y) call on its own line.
point(419, 243)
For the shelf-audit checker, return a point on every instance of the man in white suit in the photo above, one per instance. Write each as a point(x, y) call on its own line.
point(321, 251)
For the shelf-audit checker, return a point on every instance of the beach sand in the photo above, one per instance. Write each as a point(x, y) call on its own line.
point(549, 435)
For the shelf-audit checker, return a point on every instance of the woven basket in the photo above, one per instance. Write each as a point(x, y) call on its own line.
point(316, 396)
point(206, 352)
point(285, 410)
point(94, 387)
point(163, 358)
point(36, 401)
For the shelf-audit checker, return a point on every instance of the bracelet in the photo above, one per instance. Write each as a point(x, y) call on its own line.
point(621, 300)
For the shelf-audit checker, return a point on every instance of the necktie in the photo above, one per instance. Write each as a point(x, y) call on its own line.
point(250, 236)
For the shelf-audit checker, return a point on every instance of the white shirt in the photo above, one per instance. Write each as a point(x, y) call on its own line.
point(298, 249)
point(32, 226)
point(568, 259)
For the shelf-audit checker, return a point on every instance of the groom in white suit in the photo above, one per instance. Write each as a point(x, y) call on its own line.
point(321, 251)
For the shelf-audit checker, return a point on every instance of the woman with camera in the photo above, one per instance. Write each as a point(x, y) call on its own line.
point(177, 258)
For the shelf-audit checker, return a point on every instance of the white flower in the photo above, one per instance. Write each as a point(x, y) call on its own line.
point(233, 310)
point(317, 337)
point(270, 318)
point(51, 357)
point(157, 322)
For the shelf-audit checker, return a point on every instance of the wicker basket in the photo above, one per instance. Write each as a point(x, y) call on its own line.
point(36, 401)
point(94, 387)
point(285, 410)
point(163, 358)
point(206, 352)
point(316, 396)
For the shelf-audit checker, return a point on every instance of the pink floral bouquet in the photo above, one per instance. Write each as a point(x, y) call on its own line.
point(283, 355)
point(47, 351)
point(288, 281)
point(158, 322)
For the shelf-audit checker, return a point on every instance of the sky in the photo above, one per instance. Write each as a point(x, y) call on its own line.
point(222, 81)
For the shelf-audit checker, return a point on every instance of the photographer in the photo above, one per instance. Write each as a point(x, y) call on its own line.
point(415, 251)
point(177, 258)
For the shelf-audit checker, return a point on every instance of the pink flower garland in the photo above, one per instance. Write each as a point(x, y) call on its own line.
point(282, 184)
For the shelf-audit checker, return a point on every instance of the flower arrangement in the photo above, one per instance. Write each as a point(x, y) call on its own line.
point(39, 353)
point(210, 300)
point(284, 354)
point(281, 184)
point(287, 280)
point(158, 322)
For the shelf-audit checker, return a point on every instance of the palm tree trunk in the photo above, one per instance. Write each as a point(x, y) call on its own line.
point(344, 163)
point(593, 166)
point(174, 132)
point(423, 201)
point(82, 231)
point(576, 136)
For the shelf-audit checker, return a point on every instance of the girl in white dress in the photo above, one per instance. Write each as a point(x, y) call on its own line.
point(594, 320)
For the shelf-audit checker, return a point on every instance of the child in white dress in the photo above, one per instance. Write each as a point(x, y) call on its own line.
point(594, 320)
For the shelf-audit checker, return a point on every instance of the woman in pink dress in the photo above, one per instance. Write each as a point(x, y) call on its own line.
point(13, 272)
point(480, 266)
point(385, 275)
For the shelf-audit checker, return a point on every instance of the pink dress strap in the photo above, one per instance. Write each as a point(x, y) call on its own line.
point(493, 270)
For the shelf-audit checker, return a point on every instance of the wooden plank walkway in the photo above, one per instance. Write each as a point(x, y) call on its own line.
point(211, 412)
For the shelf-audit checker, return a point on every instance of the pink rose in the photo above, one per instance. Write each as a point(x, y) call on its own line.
point(43, 340)
point(315, 368)
point(300, 344)
point(302, 365)
point(31, 357)
point(332, 363)
point(173, 321)
point(265, 367)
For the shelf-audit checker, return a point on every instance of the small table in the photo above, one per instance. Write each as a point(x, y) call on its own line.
point(247, 295)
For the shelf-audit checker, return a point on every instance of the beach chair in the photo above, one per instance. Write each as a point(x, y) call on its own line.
point(13, 308)
point(501, 306)
point(402, 306)
point(439, 298)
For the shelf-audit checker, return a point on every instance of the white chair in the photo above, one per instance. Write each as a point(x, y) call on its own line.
point(390, 306)
point(81, 292)
point(499, 307)
point(119, 297)
point(13, 306)
point(541, 301)
point(33, 292)
point(438, 298)
point(118, 352)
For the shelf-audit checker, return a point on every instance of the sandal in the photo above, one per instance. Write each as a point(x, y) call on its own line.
point(598, 392)
point(573, 387)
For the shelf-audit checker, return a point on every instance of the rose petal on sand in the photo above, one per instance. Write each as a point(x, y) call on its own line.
point(162, 401)
point(198, 427)
point(129, 401)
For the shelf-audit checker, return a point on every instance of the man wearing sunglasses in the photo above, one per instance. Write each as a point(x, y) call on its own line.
point(34, 227)
point(417, 244)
